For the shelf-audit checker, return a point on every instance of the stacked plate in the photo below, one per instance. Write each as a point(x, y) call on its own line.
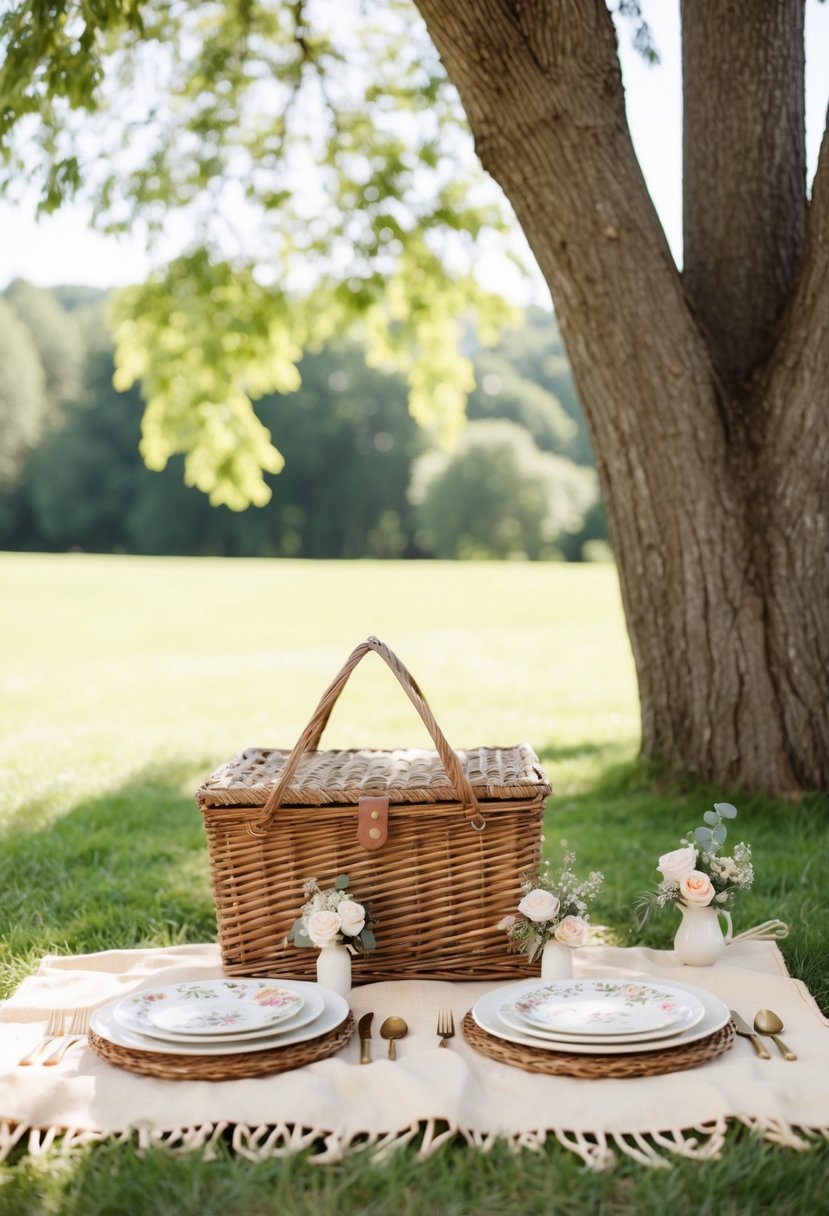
point(600, 1016)
point(222, 1017)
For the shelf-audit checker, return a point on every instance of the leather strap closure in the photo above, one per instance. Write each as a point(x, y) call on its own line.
point(373, 823)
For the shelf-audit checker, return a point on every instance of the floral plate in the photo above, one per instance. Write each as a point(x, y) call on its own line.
point(104, 1022)
point(510, 1017)
point(214, 1010)
point(485, 1014)
point(607, 1007)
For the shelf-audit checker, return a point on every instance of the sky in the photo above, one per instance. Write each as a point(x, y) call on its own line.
point(63, 249)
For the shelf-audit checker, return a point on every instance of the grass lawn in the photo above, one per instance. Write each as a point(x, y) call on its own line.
point(125, 681)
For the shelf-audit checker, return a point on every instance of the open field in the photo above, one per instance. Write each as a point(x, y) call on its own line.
point(124, 681)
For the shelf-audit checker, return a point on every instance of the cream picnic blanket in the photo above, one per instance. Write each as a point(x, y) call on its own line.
point(337, 1105)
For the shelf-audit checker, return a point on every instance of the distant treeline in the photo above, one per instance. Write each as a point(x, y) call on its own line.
point(360, 478)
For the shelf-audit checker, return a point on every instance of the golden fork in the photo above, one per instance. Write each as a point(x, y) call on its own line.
point(53, 1031)
point(77, 1031)
point(446, 1027)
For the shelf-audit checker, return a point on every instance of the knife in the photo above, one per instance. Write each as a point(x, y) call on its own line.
point(742, 1027)
point(364, 1030)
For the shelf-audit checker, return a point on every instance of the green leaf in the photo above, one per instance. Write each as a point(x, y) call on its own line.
point(726, 810)
point(711, 817)
point(704, 836)
point(341, 882)
point(368, 939)
point(719, 833)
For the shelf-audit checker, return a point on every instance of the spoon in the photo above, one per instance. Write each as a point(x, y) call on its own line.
point(393, 1029)
point(767, 1022)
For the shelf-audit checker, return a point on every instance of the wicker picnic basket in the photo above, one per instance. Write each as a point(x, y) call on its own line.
point(436, 843)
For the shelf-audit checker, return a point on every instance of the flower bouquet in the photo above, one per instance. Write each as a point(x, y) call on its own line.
point(331, 917)
point(698, 874)
point(702, 882)
point(553, 910)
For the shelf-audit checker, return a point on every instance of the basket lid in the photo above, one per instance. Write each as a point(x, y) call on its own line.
point(404, 775)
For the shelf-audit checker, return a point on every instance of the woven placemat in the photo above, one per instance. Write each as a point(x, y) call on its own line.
point(224, 1067)
point(595, 1067)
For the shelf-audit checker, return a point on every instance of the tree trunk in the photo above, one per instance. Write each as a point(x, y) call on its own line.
point(713, 471)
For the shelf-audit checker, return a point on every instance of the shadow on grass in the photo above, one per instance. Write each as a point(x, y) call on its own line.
point(126, 869)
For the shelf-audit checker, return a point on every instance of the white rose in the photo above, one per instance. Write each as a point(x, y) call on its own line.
point(572, 931)
point(696, 888)
point(353, 917)
point(539, 905)
point(676, 864)
point(323, 927)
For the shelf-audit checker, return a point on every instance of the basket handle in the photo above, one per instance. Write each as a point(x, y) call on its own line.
point(310, 737)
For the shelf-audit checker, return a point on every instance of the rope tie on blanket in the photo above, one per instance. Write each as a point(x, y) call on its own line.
point(769, 931)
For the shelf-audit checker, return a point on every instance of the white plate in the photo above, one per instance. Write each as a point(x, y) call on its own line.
point(511, 1019)
point(107, 1025)
point(311, 1009)
point(248, 1006)
point(485, 1012)
point(605, 1007)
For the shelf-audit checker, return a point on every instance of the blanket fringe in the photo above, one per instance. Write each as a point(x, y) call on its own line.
point(257, 1143)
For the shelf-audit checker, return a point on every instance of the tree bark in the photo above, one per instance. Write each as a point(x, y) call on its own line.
point(723, 580)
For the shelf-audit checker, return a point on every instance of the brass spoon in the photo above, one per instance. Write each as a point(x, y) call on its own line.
point(767, 1022)
point(393, 1029)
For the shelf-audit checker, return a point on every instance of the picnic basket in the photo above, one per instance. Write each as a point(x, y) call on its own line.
point(436, 843)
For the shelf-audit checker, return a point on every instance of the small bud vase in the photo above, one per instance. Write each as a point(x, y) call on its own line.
point(699, 940)
point(334, 968)
point(556, 961)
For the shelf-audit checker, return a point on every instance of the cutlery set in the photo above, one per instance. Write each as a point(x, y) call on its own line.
point(62, 1032)
point(765, 1023)
point(395, 1028)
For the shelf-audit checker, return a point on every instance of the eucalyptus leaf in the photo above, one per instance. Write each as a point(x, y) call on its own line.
point(726, 810)
point(341, 882)
point(711, 817)
point(704, 836)
point(719, 833)
point(368, 939)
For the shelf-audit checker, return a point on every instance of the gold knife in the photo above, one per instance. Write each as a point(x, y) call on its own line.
point(742, 1027)
point(364, 1030)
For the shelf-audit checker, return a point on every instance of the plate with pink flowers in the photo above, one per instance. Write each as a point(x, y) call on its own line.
point(604, 1009)
point(213, 1011)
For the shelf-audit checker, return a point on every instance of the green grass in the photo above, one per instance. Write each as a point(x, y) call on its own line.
point(125, 681)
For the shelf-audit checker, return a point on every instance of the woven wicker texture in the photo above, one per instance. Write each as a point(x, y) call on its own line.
point(462, 831)
point(597, 1067)
point(404, 775)
point(224, 1067)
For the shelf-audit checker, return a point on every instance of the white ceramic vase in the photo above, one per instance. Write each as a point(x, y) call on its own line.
point(699, 940)
point(556, 961)
point(334, 968)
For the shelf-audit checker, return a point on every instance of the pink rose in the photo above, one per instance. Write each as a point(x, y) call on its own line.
point(572, 931)
point(539, 905)
point(324, 927)
point(675, 865)
point(696, 888)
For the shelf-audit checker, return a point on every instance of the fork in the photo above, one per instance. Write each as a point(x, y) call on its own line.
point(446, 1026)
point(76, 1032)
point(53, 1031)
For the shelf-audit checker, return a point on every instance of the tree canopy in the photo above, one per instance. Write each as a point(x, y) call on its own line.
point(337, 127)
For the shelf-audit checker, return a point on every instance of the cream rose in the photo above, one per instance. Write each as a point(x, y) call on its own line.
point(572, 931)
point(352, 915)
point(696, 888)
point(323, 927)
point(675, 865)
point(539, 905)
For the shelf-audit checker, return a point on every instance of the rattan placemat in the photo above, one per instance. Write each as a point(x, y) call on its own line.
point(594, 1067)
point(224, 1067)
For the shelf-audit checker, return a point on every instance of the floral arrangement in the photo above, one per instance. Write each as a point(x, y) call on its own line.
point(698, 873)
point(553, 908)
point(331, 917)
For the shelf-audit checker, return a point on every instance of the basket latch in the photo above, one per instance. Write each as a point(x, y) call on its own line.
point(373, 822)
